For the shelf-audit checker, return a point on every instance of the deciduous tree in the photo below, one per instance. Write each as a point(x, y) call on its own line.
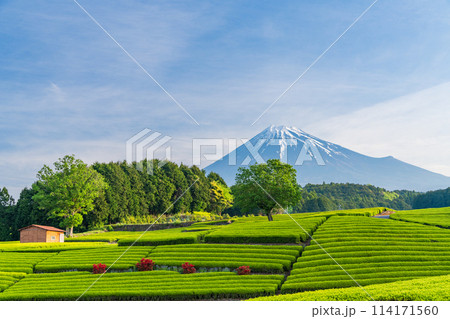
point(68, 191)
point(266, 186)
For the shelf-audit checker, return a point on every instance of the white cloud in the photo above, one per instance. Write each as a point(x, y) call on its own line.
point(413, 128)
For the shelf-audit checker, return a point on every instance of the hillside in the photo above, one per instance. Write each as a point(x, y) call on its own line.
point(333, 196)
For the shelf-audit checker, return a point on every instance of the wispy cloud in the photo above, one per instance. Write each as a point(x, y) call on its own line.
point(413, 128)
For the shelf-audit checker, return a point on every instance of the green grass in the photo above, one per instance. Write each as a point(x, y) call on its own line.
point(372, 251)
point(429, 289)
point(154, 285)
point(430, 216)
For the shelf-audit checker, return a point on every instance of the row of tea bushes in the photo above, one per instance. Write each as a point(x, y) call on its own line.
point(21, 262)
point(429, 216)
point(16, 246)
point(154, 285)
point(422, 289)
point(9, 278)
point(260, 258)
point(120, 258)
point(258, 230)
point(370, 251)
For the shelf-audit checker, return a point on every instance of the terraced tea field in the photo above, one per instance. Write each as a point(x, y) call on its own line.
point(430, 216)
point(260, 258)
point(155, 285)
point(83, 259)
point(9, 278)
point(15, 246)
point(183, 235)
point(283, 230)
point(21, 262)
point(394, 259)
point(372, 251)
point(428, 288)
point(257, 230)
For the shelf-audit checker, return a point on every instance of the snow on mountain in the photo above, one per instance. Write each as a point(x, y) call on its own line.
point(318, 161)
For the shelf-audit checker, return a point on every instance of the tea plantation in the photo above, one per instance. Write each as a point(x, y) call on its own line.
point(401, 258)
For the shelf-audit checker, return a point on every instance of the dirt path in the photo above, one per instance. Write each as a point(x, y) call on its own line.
point(385, 214)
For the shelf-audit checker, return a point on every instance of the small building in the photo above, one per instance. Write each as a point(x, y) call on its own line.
point(41, 234)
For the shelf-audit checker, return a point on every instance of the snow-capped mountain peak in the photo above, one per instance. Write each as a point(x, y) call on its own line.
point(293, 137)
point(318, 161)
point(281, 131)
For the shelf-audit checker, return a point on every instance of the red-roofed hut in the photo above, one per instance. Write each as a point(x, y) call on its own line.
point(41, 234)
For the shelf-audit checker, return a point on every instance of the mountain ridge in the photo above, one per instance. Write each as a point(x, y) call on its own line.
point(318, 161)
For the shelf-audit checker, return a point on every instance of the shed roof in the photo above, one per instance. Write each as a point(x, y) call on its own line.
point(49, 228)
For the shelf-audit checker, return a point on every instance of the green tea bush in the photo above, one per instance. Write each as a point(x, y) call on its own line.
point(21, 262)
point(154, 285)
point(84, 259)
point(257, 230)
point(430, 216)
point(45, 247)
point(372, 251)
point(260, 258)
point(429, 289)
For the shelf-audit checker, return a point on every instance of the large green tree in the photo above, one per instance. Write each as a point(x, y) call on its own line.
point(266, 186)
point(68, 191)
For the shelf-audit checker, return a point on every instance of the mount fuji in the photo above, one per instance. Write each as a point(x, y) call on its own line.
point(318, 161)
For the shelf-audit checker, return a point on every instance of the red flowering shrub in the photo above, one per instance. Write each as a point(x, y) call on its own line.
point(145, 265)
point(98, 268)
point(188, 268)
point(243, 270)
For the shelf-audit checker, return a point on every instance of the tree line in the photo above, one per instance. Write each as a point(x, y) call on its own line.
point(75, 195)
point(335, 196)
point(432, 199)
point(120, 191)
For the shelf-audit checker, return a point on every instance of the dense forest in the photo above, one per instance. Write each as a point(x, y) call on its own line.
point(439, 198)
point(132, 196)
point(334, 196)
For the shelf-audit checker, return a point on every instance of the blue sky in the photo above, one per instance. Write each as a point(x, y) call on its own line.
point(65, 87)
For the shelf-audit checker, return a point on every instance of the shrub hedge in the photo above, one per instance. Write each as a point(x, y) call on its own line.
point(154, 285)
point(84, 259)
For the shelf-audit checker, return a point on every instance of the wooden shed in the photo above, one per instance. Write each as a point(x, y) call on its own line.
point(41, 234)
